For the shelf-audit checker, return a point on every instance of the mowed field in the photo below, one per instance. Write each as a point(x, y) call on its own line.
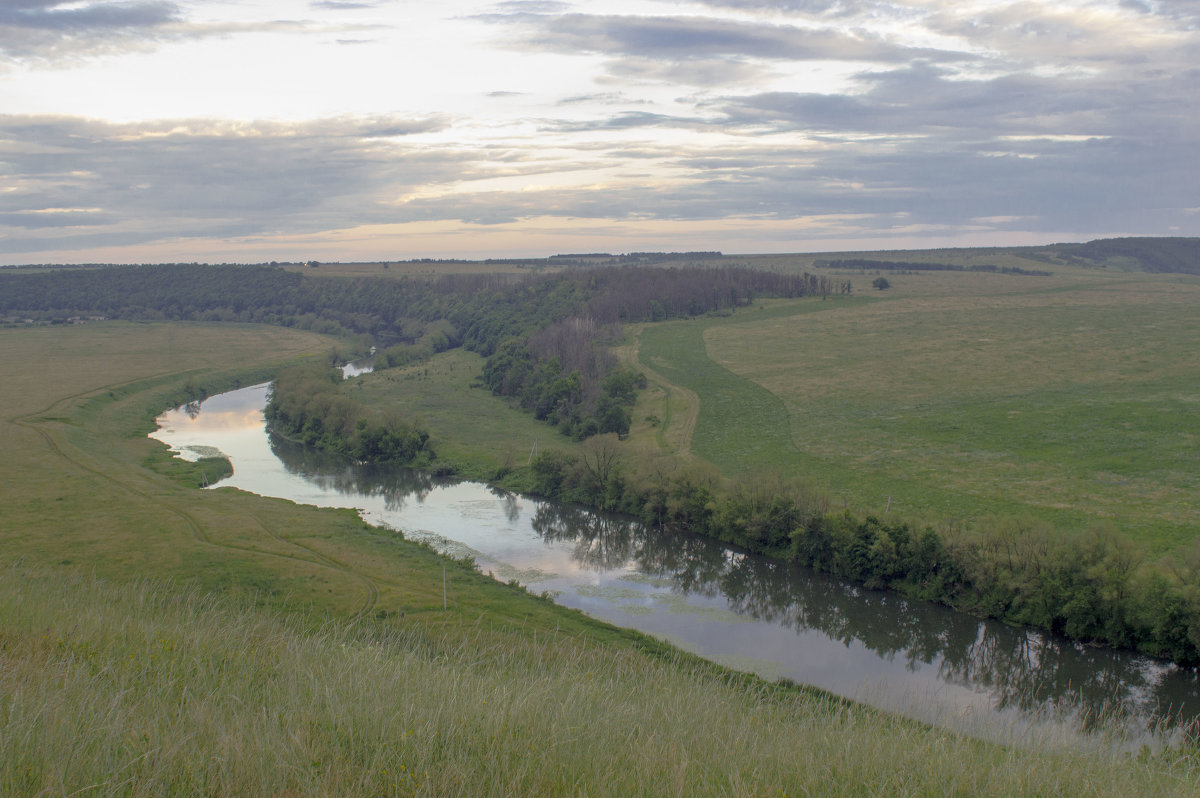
point(958, 397)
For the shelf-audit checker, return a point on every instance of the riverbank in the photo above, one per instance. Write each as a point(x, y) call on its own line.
point(1094, 584)
point(725, 604)
point(276, 630)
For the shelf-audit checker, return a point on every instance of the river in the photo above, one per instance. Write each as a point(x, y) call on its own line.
point(738, 609)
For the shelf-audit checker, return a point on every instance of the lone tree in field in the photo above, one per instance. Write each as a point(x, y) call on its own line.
point(881, 283)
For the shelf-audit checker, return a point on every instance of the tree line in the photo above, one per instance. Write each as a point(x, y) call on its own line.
point(1162, 255)
point(306, 405)
point(1093, 586)
point(562, 371)
point(544, 336)
point(1016, 668)
point(863, 264)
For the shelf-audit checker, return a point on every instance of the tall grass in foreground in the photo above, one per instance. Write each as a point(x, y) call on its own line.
point(151, 690)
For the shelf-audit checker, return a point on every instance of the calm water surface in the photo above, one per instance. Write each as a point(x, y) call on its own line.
point(734, 608)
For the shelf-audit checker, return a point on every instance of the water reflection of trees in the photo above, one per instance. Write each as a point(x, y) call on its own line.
point(512, 503)
point(1028, 671)
point(394, 485)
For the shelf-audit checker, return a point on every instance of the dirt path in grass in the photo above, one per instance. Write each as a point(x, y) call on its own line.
point(680, 407)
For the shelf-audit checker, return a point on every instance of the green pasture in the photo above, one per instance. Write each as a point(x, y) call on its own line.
point(478, 434)
point(956, 397)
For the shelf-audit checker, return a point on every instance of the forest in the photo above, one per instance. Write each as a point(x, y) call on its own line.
point(1155, 255)
point(307, 406)
point(543, 336)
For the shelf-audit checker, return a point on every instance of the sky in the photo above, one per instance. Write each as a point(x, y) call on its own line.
point(343, 130)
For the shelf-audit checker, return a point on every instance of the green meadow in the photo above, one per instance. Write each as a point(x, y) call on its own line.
point(955, 397)
point(479, 435)
point(156, 639)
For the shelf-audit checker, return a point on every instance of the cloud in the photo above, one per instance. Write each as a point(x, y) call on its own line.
point(693, 38)
point(805, 7)
point(532, 7)
point(700, 72)
point(626, 121)
point(601, 99)
point(1020, 118)
point(203, 178)
point(62, 15)
point(928, 100)
point(1064, 36)
point(67, 31)
point(1140, 6)
point(341, 5)
point(56, 218)
point(76, 183)
point(50, 28)
point(703, 51)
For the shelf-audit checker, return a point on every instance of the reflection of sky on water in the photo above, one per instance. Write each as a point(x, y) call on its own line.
point(735, 609)
point(358, 367)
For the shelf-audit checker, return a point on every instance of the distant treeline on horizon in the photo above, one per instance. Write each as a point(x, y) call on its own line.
point(904, 266)
point(1179, 255)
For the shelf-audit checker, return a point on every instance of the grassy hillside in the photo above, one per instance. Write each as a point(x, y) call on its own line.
point(156, 639)
point(959, 396)
point(131, 689)
point(1155, 255)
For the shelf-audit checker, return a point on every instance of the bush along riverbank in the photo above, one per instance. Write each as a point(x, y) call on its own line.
point(1093, 586)
point(306, 405)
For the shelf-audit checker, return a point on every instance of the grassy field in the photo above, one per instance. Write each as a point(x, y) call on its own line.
point(479, 434)
point(156, 639)
point(127, 689)
point(958, 396)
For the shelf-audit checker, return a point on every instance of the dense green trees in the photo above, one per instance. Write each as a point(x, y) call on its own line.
point(1167, 255)
point(307, 405)
point(546, 336)
point(863, 264)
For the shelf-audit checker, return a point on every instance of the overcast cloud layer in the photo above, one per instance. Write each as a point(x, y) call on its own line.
point(273, 130)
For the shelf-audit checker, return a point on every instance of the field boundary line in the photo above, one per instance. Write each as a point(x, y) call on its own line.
point(691, 404)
